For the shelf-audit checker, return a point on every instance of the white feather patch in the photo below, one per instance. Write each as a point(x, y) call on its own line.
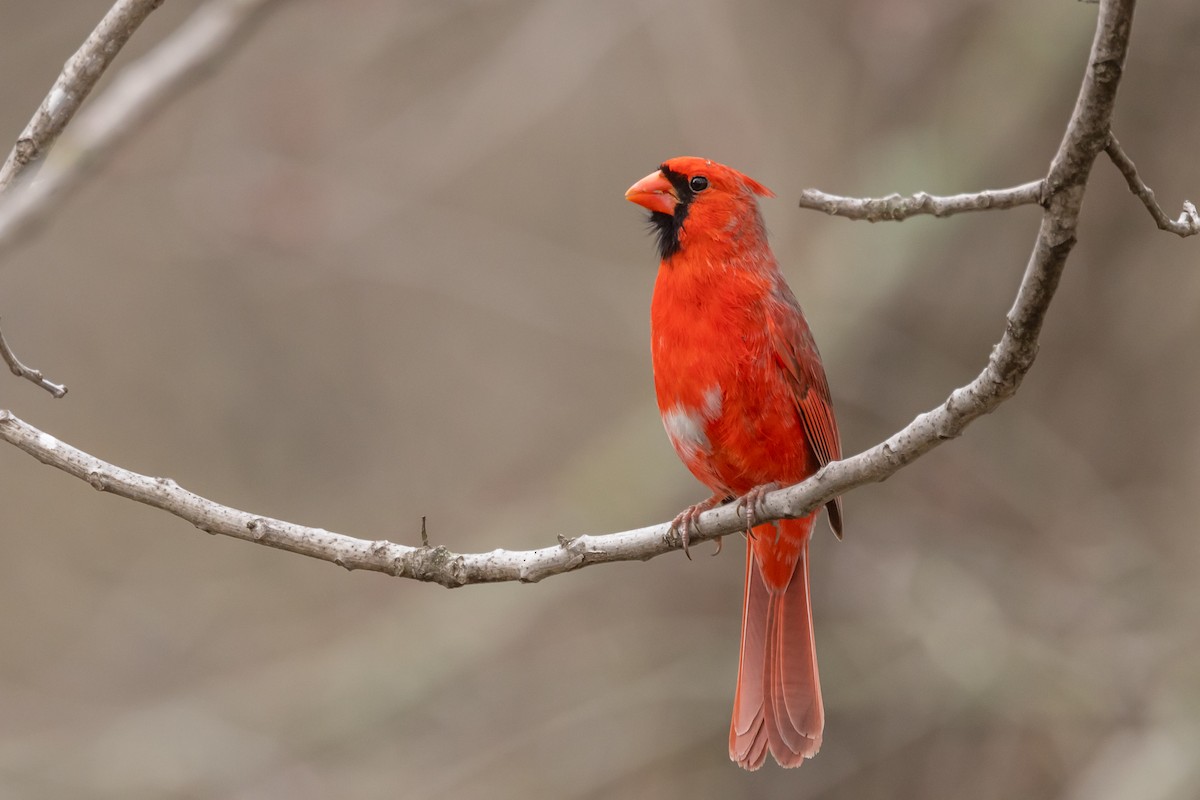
point(685, 426)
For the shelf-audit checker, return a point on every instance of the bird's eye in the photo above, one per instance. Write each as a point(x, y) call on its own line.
point(698, 183)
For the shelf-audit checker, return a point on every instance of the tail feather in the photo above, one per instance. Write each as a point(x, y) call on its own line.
point(747, 732)
point(794, 712)
point(777, 706)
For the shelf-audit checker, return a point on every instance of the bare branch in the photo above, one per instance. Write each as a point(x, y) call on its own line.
point(1011, 358)
point(74, 84)
point(1061, 196)
point(895, 208)
point(21, 371)
point(1188, 223)
point(138, 91)
point(432, 564)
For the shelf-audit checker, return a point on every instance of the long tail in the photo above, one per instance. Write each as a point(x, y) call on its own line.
point(777, 706)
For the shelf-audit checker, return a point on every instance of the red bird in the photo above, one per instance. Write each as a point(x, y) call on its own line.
point(745, 402)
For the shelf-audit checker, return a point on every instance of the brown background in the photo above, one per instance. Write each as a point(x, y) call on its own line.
point(379, 267)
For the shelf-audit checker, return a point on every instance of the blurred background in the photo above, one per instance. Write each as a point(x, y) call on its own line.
point(379, 266)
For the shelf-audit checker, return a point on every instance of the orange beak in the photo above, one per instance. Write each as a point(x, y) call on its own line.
point(654, 192)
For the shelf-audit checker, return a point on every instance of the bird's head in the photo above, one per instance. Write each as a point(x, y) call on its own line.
point(690, 198)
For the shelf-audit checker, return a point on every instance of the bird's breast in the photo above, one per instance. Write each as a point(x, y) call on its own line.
point(725, 402)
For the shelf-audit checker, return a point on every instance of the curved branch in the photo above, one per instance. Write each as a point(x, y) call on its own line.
point(1062, 194)
point(1013, 355)
point(74, 84)
point(432, 564)
point(138, 91)
point(895, 208)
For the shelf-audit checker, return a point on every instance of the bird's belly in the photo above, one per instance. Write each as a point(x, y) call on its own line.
point(726, 402)
point(760, 440)
point(740, 435)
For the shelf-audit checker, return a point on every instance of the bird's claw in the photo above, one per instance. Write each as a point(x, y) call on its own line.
point(751, 503)
point(686, 522)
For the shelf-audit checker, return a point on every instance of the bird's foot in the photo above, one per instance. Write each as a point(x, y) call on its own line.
point(686, 521)
point(751, 503)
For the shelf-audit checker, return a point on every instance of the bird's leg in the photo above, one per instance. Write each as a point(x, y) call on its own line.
point(750, 503)
point(685, 522)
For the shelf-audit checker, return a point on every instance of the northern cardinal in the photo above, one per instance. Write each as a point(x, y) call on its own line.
point(746, 405)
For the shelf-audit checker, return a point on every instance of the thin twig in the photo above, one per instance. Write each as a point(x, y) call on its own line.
point(1062, 195)
point(1188, 223)
point(21, 371)
point(894, 208)
point(136, 93)
point(79, 76)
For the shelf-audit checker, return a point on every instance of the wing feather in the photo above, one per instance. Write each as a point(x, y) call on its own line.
point(796, 352)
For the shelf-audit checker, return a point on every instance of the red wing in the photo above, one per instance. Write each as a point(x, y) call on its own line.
point(797, 354)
